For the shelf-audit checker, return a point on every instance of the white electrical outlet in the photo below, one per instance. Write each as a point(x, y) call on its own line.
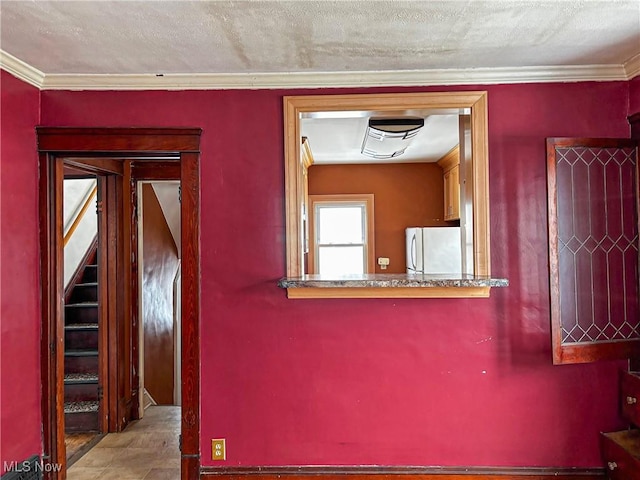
point(383, 262)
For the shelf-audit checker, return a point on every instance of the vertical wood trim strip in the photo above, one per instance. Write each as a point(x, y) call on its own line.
point(109, 274)
point(312, 268)
point(103, 304)
point(190, 238)
point(637, 152)
point(58, 305)
point(46, 358)
point(292, 184)
point(134, 290)
point(50, 200)
point(634, 121)
point(480, 174)
point(126, 221)
point(554, 274)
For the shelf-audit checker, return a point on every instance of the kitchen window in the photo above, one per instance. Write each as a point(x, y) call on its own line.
point(341, 233)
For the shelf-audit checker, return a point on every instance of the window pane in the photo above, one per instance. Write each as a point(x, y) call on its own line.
point(339, 224)
point(340, 260)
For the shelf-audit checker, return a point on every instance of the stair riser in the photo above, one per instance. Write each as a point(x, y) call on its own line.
point(74, 315)
point(90, 274)
point(80, 392)
point(81, 422)
point(84, 293)
point(81, 339)
point(76, 361)
point(81, 364)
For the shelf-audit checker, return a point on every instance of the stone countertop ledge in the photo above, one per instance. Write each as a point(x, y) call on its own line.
point(391, 280)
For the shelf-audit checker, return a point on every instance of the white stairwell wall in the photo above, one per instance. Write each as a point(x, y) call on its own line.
point(76, 191)
point(168, 194)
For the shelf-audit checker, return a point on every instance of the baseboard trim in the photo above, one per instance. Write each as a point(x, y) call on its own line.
point(406, 473)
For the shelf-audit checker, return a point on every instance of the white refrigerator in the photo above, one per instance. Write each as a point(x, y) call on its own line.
point(434, 250)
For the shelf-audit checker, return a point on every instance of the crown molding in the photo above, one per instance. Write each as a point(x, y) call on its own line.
point(483, 76)
point(397, 78)
point(21, 70)
point(632, 67)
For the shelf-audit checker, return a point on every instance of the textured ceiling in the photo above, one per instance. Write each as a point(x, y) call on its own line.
point(78, 39)
point(133, 37)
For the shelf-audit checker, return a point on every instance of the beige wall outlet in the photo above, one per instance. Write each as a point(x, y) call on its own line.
point(218, 449)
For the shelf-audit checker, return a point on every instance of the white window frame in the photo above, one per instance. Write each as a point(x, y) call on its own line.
point(363, 200)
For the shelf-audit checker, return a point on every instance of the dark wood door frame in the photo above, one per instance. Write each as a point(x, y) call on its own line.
point(113, 146)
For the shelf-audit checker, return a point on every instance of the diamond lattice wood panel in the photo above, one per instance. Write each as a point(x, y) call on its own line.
point(593, 227)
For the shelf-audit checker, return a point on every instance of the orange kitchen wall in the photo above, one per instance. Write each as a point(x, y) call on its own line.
point(405, 195)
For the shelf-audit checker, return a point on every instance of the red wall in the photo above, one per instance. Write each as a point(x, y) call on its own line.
point(387, 382)
point(634, 95)
point(19, 278)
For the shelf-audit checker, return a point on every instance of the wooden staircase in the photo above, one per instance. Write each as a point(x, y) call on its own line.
point(82, 392)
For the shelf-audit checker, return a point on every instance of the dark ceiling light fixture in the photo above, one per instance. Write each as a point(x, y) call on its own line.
point(389, 137)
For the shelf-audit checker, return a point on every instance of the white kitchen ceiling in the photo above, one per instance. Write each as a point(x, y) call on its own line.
point(267, 44)
point(338, 139)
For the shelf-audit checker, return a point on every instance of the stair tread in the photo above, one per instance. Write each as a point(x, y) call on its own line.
point(70, 378)
point(81, 407)
point(82, 304)
point(81, 326)
point(87, 284)
point(81, 353)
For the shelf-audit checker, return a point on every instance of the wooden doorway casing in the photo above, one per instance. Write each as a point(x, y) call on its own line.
point(106, 149)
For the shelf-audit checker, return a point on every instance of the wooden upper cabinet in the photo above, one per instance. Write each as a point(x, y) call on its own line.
point(452, 194)
point(593, 248)
point(450, 165)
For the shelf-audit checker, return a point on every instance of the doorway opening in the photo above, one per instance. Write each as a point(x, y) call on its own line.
point(157, 228)
point(148, 446)
point(159, 303)
point(118, 157)
point(83, 407)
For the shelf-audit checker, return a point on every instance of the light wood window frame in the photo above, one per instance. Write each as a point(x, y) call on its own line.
point(474, 101)
point(359, 199)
